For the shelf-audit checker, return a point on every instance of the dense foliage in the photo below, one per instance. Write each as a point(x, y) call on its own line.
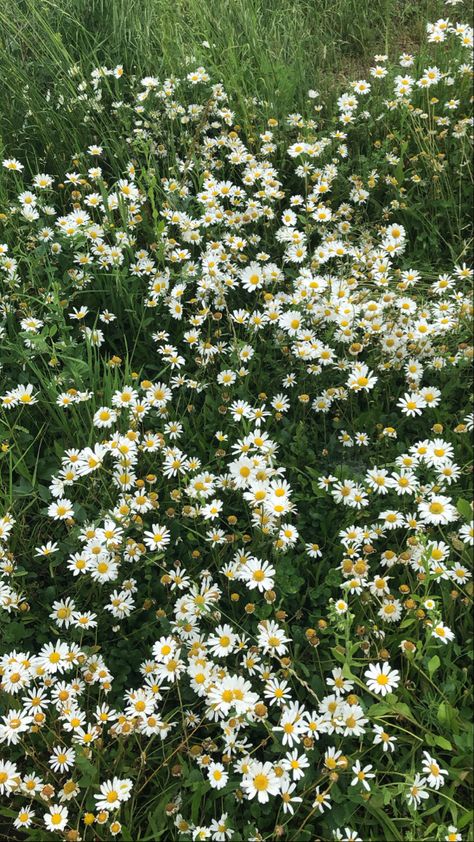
point(236, 539)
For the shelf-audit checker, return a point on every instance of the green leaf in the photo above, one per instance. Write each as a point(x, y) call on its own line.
point(346, 671)
point(87, 769)
point(464, 508)
point(10, 814)
point(339, 656)
point(446, 715)
point(379, 709)
point(433, 664)
point(443, 743)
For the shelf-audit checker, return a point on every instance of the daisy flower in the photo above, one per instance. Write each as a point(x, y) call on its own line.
point(381, 678)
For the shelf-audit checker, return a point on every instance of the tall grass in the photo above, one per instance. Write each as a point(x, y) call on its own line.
point(273, 51)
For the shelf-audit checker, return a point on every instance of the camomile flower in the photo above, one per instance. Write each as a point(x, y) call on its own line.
point(362, 775)
point(104, 417)
point(412, 404)
point(340, 606)
point(113, 793)
point(217, 775)
point(211, 510)
point(35, 700)
point(261, 782)
point(258, 574)
point(31, 784)
point(442, 632)
point(403, 483)
point(62, 509)
point(84, 619)
point(295, 764)
point(381, 678)
point(164, 648)
point(448, 472)
point(271, 638)
point(287, 536)
point(15, 678)
point(466, 533)
point(433, 771)
point(313, 550)
point(417, 792)
point(460, 574)
point(252, 277)
point(379, 586)
point(288, 799)
point(391, 519)
point(62, 612)
point(292, 727)
point(361, 379)
point(54, 657)
point(102, 569)
point(384, 739)
point(431, 395)
point(437, 510)
point(24, 818)
point(62, 759)
point(157, 538)
point(322, 800)
point(220, 829)
point(222, 642)
point(277, 692)
point(333, 759)
point(439, 452)
point(47, 549)
point(339, 683)
point(56, 818)
point(353, 720)
point(74, 719)
point(12, 164)
point(9, 777)
point(391, 610)
point(378, 480)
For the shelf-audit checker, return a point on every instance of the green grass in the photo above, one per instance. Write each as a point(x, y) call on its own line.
point(273, 51)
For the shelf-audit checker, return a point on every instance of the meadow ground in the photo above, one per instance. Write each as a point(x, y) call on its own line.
point(236, 526)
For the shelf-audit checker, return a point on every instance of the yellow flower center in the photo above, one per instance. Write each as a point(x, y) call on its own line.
point(260, 782)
